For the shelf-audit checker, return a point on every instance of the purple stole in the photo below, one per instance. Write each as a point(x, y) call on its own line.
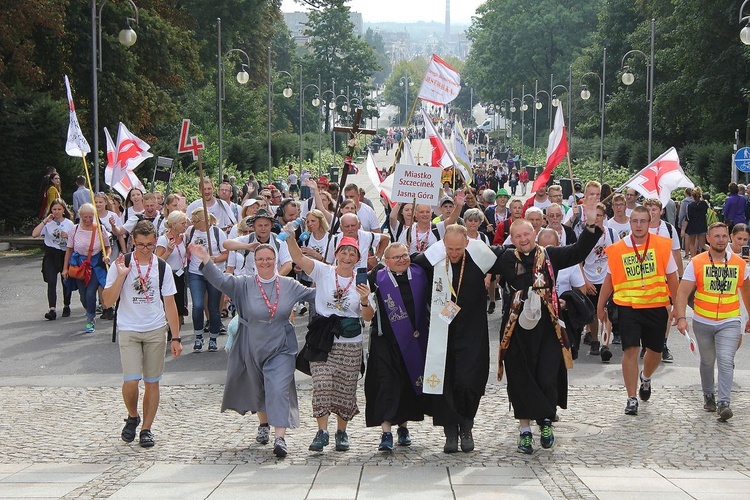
point(411, 338)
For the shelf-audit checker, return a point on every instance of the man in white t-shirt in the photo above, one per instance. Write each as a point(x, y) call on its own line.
point(620, 223)
point(225, 195)
point(146, 306)
point(150, 213)
point(216, 207)
point(631, 200)
point(262, 223)
point(371, 244)
point(367, 217)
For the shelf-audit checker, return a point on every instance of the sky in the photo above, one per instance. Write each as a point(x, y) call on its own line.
point(405, 11)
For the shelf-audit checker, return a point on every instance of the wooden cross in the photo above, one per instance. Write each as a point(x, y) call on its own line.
point(354, 132)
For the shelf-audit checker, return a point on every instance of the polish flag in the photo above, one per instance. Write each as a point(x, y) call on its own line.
point(557, 149)
point(661, 177)
point(441, 157)
point(441, 83)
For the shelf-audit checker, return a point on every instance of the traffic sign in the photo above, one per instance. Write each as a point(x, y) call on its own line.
point(742, 160)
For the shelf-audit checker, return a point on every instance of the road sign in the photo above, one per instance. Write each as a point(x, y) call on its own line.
point(742, 160)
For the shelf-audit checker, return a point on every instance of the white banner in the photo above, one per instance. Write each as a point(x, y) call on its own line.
point(411, 182)
point(441, 83)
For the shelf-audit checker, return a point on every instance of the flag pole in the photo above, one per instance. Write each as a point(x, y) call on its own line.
point(96, 219)
point(403, 136)
point(205, 209)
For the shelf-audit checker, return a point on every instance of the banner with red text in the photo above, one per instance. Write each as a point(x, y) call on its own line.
point(441, 83)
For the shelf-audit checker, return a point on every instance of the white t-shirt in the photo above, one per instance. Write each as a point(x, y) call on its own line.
point(569, 278)
point(128, 213)
point(595, 266)
point(620, 229)
point(689, 275)
point(663, 230)
point(317, 245)
point(51, 232)
point(417, 237)
point(542, 205)
point(326, 304)
point(134, 218)
point(577, 212)
point(177, 260)
point(142, 310)
point(244, 262)
point(217, 247)
point(366, 239)
point(367, 217)
point(224, 216)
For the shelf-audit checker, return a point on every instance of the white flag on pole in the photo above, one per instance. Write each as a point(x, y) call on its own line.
point(76, 144)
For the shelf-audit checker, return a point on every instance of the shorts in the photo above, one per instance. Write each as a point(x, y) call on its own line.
point(643, 327)
point(595, 298)
point(142, 354)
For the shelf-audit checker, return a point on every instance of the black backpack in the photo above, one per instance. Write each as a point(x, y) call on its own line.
point(162, 270)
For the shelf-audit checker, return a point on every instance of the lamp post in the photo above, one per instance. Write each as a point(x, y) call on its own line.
point(586, 94)
point(287, 93)
point(242, 78)
point(745, 32)
point(524, 108)
point(513, 101)
point(315, 102)
point(404, 82)
point(628, 79)
point(506, 104)
point(127, 38)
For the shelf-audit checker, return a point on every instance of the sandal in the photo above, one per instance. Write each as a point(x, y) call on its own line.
point(147, 438)
point(224, 313)
point(128, 432)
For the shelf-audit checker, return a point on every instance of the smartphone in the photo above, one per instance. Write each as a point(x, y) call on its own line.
point(361, 276)
point(746, 251)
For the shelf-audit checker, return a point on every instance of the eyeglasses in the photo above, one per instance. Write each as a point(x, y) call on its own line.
point(144, 246)
point(399, 257)
point(225, 190)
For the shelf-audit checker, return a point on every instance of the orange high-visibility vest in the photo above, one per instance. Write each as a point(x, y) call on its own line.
point(640, 285)
point(717, 286)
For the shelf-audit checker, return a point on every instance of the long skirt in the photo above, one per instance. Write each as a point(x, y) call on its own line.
point(335, 381)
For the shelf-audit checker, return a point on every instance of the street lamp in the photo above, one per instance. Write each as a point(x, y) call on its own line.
point(524, 108)
point(242, 75)
point(315, 102)
point(628, 79)
point(745, 32)
point(586, 95)
point(404, 82)
point(127, 38)
point(506, 105)
point(242, 78)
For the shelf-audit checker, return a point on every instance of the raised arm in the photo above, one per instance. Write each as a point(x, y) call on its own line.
point(305, 263)
point(458, 203)
point(224, 282)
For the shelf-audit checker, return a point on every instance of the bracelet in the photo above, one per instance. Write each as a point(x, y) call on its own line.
point(176, 339)
point(591, 226)
point(682, 317)
point(365, 305)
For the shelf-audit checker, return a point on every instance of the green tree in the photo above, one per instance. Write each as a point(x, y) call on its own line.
point(394, 92)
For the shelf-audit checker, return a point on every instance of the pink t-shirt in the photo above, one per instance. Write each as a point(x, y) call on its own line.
point(82, 239)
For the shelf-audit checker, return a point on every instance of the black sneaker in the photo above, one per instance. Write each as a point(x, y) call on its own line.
point(548, 437)
point(198, 344)
point(666, 356)
point(595, 348)
point(404, 439)
point(525, 443)
point(205, 328)
point(108, 314)
point(587, 338)
point(222, 330)
point(342, 440)
point(616, 339)
point(319, 441)
point(51, 315)
point(147, 438)
point(451, 439)
point(128, 432)
point(491, 308)
point(606, 354)
point(709, 402)
point(644, 391)
point(279, 447)
point(724, 411)
point(66, 312)
point(263, 435)
point(467, 440)
point(386, 442)
point(212, 347)
point(632, 407)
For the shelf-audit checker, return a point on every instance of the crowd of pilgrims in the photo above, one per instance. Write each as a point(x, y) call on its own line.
point(343, 266)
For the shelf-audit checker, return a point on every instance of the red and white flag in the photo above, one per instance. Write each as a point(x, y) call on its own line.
point(557, 149)
point(123, 159)
point(661, 177)
point(441, 83)
point(441, 156)
point(76, 145)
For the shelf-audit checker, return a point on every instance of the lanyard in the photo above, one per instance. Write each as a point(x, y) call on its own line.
point(640, 257)
point(460, 277)
point(421, 245)
point(339, 292)
point(179, 254)
point(143, 281)
point(271, 308)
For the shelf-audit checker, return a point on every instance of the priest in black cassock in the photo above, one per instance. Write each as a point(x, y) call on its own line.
point(398, 342)
point(458, 350)
point(534, 350)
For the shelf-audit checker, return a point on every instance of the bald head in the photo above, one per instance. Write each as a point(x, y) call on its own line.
point(349, 225)
point(548, 238)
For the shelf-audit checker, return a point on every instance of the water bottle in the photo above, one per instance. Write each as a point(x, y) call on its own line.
point(286, 234)
point(304, 236)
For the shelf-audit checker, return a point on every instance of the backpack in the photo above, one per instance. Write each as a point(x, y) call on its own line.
point(162, 270)
point(433, 227)
point(192, 232)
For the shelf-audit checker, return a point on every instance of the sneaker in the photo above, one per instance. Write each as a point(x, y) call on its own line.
point(342, 440)
point(128, 432)
point(491, 308)
point(319, 441)
point(303, 310)
point(205, 327)
point(632, 407)
point(451, 439)
point(146, 438)
point(643, 352)
point(263, 435)
point(98, 308)
point(709, 402)
point(66, 312)
point(51, 315)
point(525, 443)
point(108, 314)
point(279, 447)
point(386, 442)
point(198, 344)
point(587, 338)
point(616, 339)
point(89, 328)
point(666, 356)
point(548, 437)
point(467, 440)
point(724, 411)
point(595, 348)
point(222, 330)
point(644, 392)
point(403, 436)
point(606, 354)
point(212, 347)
